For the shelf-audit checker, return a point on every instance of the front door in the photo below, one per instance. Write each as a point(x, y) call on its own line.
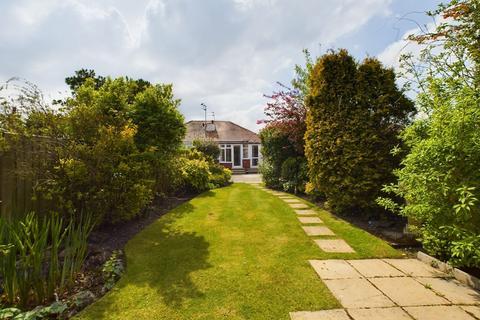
point(237, 156)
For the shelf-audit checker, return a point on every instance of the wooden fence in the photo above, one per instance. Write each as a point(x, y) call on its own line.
point(18, 175)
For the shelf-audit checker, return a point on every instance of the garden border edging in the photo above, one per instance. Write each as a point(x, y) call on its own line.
point(458, 274)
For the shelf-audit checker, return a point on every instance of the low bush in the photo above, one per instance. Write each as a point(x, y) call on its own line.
point(294, 174)
point(270, 174)
point(112, 269)
point(195, 175)
point(219, 175)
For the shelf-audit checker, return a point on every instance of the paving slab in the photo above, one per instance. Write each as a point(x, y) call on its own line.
point(291, 200)
point(334, 245)
point(335, 314)
point(317, 231)
point(334, 269)
point(406, 291)
point(438, 312)
point(311, 220)
point(379, 314)
point(372, 268)
point(415, 268)
point(298, 206)
point(357, 293)
point(306, 212)
point(474, 311)
point(452, 290)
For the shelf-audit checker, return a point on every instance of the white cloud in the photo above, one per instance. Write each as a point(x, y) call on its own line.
point(226, 53)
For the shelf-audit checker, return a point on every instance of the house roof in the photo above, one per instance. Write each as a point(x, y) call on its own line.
point(221, 131)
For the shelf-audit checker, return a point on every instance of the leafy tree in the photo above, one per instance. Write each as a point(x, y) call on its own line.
point(77, 80)
point(80, 76)
point(439, 178)
point(354, 114)
point(286, 112)
point(302, 73)
point(159, 124)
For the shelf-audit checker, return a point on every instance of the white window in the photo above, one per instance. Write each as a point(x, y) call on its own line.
point(255, 155)
point(228, 156)
point(225, 153)
point(245, 151)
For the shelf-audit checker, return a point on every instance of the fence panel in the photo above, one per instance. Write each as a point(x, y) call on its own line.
point(17, 168)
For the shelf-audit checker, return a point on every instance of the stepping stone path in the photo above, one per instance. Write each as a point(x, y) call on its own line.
point(309, 216)
point(381, 289)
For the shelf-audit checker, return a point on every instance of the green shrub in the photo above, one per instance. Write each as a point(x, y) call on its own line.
point(270, 176)
point(195, 175)
point(294, 174)
point(276, 148)
point(355, 112)
point(112, 269)
point(106, 177)
point(110, 147)
point(219, 175)
point(208, 147)
point(440, 177)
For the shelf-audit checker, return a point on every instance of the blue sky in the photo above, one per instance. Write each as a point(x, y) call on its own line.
point(224, 53)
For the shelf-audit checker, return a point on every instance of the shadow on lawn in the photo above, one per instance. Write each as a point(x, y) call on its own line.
point(163, 257)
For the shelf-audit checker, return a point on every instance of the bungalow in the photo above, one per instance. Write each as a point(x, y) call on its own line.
point(239, 147)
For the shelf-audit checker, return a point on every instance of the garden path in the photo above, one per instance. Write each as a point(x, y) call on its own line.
point(372, 289)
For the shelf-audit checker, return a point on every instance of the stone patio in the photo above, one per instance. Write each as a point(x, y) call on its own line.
point(377, 289)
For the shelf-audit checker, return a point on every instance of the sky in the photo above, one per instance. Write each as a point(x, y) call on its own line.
point(226, 54)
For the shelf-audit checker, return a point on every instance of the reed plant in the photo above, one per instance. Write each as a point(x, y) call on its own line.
point(31, 267)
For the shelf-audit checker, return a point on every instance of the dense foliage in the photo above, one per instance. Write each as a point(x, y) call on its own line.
point(440, 177)
point(208, 147)
point(282, 137)
point(201, 171)
point(107, 151)
point(354, 114)
point(107, 163)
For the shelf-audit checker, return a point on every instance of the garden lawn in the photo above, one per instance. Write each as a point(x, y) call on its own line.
point(231, 253)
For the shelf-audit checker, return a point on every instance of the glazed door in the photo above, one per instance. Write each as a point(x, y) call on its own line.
point(237, 156)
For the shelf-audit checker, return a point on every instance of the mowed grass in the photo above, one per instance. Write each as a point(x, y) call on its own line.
point(231, 253)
